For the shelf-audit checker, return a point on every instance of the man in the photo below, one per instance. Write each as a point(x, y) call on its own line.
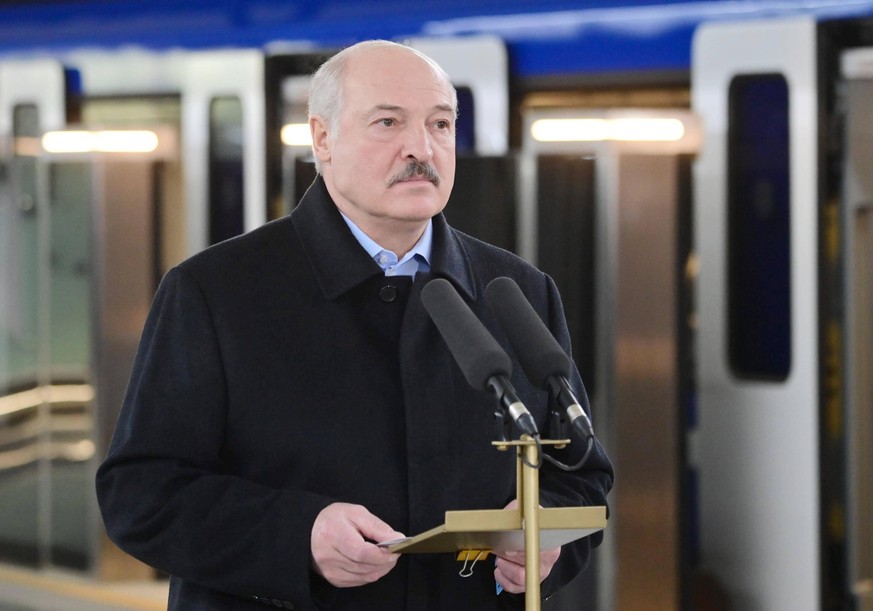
point(292, 404)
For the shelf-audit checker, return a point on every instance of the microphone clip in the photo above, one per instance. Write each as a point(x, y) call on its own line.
point(559, 427)
point(512, 405)
point(502, 425)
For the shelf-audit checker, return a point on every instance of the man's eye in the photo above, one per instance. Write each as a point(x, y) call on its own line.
point(443, 124)
point(387, 122)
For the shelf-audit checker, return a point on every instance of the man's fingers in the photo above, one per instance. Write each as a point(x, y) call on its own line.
point(342, 551)
point(510, 571)
point(372, 528)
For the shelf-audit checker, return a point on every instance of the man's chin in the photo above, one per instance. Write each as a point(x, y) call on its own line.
point(410, 210)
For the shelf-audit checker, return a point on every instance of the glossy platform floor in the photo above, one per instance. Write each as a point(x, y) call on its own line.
point(23, 589)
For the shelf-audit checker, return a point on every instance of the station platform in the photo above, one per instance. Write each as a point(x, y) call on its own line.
point(25, 589)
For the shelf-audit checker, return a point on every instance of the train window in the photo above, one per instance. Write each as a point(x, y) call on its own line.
point(225, 168)
point(465, 134)
point(759, 198)
point(69, 270)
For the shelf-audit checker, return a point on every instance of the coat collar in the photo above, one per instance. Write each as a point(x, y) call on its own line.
point(339, 262)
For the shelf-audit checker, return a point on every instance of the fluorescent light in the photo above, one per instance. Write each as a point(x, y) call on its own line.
point(134, 141)
point(67, 142)
point(569, 130)
point(296, 134)
point(618, 129)
point(647, 130)
point(107, 141)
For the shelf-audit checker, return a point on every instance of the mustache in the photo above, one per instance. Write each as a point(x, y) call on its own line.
point(415, 169)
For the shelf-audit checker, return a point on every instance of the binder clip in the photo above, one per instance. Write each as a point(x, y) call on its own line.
point(471, 554)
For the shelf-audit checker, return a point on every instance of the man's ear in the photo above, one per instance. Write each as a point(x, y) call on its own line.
point(320, 140)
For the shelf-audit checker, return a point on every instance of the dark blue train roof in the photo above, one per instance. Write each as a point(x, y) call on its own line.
point(544, 38)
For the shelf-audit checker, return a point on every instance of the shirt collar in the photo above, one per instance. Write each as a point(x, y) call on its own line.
point(422, 248)
point(338, 261)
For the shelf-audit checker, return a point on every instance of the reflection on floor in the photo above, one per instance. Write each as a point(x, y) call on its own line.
point(24, 589)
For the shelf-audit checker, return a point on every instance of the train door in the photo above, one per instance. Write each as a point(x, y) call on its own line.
point(289, 145)
point(782, 199)
point(78, 272)
point(605, 210)
point(32, 99)
point(224, 144)
point(756, 202)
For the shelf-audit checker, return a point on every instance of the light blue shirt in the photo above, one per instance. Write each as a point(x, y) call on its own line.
point(416, 260)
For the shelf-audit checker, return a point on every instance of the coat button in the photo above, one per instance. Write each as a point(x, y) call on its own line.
point(388, 293)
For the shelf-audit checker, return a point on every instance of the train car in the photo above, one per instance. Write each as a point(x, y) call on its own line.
point(783, 441)
point(696, 176)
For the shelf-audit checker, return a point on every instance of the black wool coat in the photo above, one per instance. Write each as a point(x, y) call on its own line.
point(282, 371)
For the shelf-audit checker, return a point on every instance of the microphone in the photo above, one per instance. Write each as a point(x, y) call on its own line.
point(541, 356)
point(484, 363)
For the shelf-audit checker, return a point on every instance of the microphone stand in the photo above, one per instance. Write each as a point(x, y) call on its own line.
point(528, 495)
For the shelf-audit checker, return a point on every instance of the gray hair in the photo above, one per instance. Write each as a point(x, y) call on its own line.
point(326, 87)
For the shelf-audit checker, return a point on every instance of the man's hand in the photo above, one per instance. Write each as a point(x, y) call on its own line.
point(342, 548)
point(509, 569)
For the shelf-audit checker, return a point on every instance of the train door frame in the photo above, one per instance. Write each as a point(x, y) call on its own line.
point(857, 231)
point(210, 74)
point(281, 67)
point(638, 340)
point(198, 78)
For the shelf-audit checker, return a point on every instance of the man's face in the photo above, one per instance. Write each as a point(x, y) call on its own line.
point(391, 164)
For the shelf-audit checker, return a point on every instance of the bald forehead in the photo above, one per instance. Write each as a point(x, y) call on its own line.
point(373, 62)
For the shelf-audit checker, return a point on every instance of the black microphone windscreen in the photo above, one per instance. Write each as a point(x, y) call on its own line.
point(539, 353)
point(476, 351)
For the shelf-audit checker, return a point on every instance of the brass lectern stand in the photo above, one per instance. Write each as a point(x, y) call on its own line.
point(530, 527)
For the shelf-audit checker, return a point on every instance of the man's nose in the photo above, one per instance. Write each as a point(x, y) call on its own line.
point(417, 144)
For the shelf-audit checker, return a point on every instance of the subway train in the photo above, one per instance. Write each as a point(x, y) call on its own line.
point(697, 177)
